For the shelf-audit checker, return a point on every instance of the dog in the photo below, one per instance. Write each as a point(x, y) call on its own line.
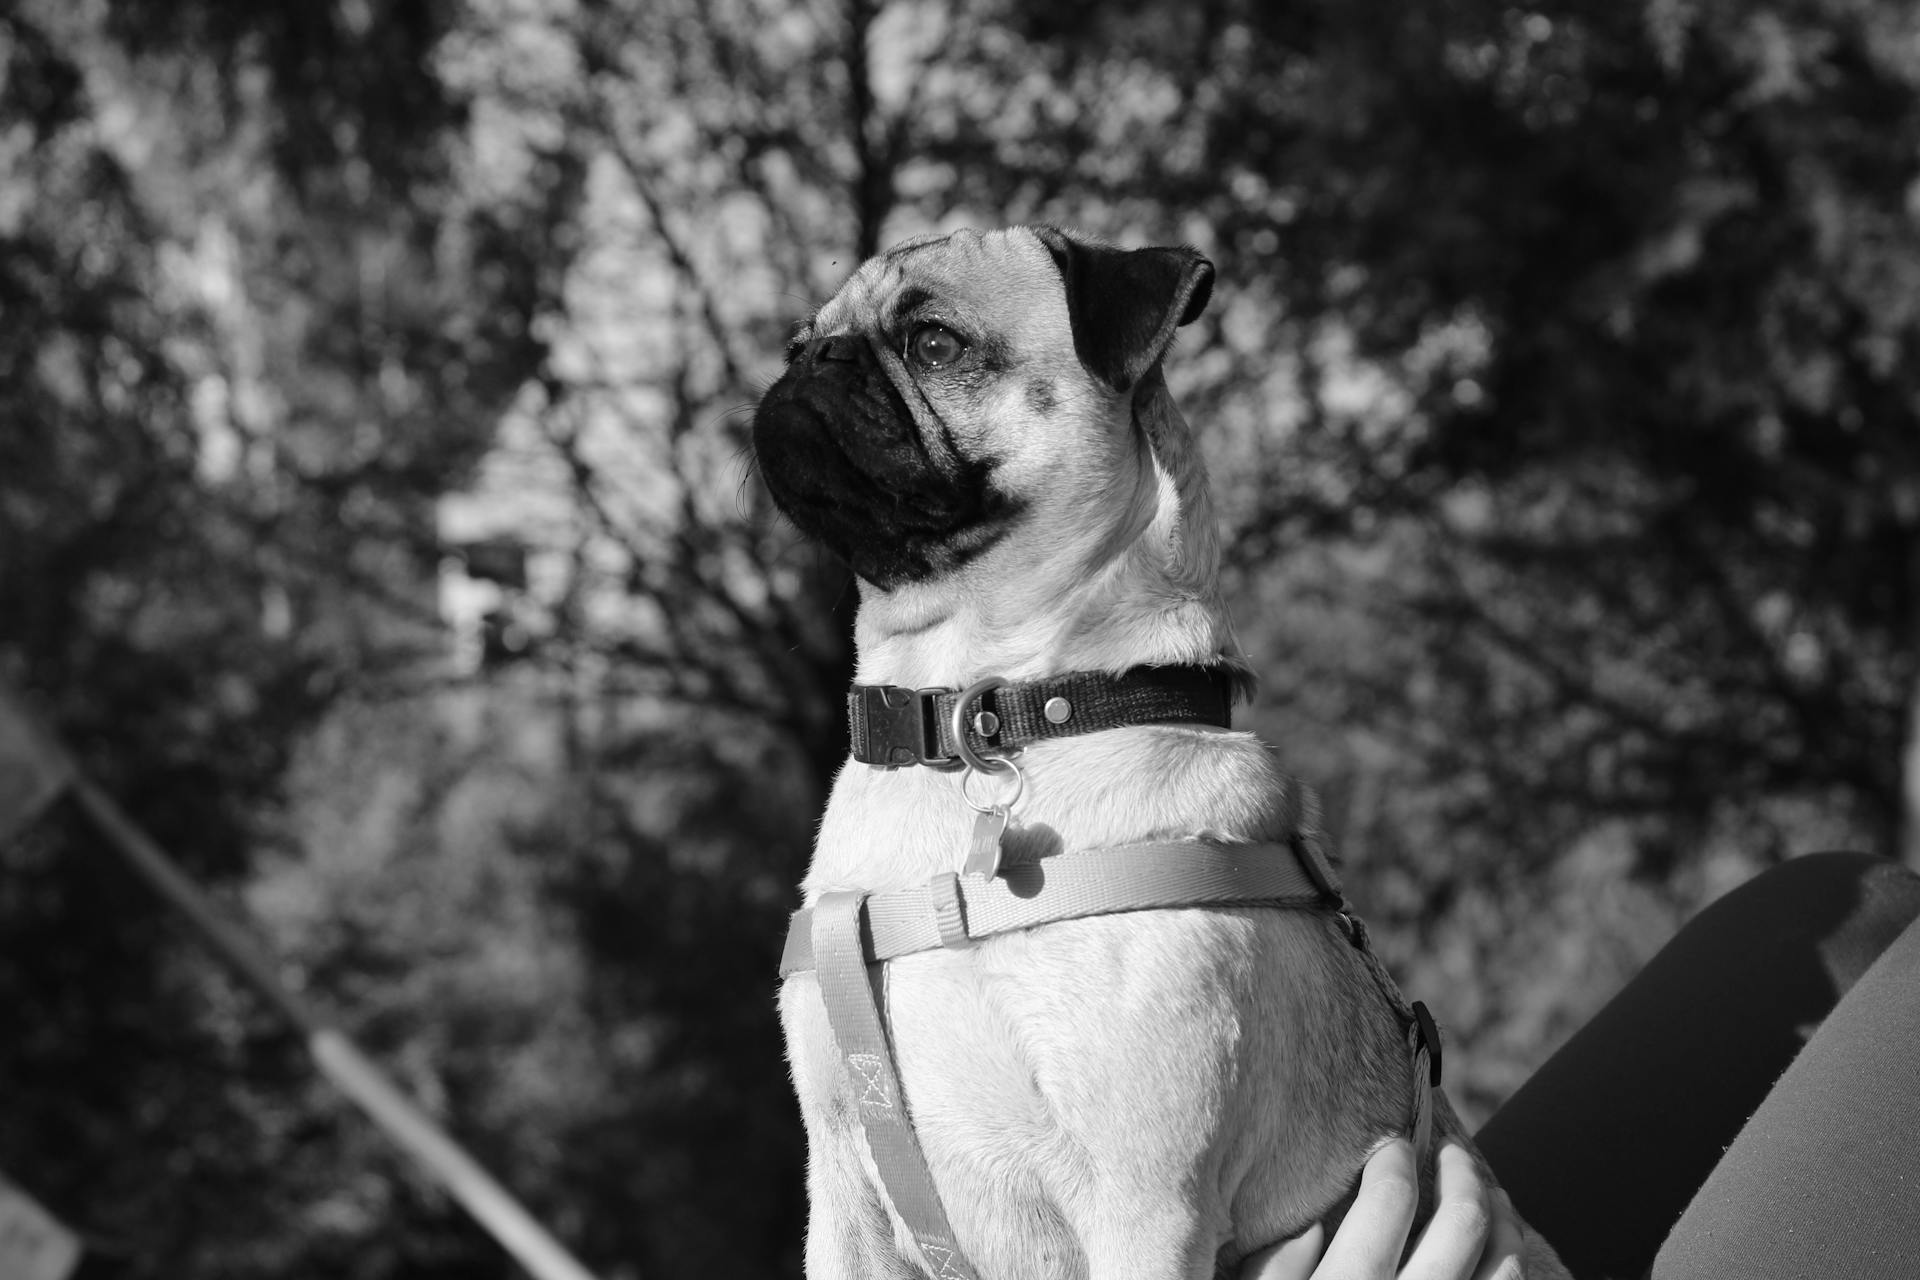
point(978, 425)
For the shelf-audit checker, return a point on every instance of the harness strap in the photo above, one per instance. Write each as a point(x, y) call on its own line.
point(844, 933)
point(862, 1038)
point(1423, 1036)
point(952, 910)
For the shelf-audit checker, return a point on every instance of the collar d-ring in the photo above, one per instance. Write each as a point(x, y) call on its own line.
point(957, 722)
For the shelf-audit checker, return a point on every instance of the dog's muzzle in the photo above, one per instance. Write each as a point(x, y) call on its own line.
point(844, 459)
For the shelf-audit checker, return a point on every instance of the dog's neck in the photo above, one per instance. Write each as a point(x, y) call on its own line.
point(1119, 574)
point(1138, 585)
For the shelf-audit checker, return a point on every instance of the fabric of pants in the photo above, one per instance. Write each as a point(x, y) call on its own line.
point(1749, 1105)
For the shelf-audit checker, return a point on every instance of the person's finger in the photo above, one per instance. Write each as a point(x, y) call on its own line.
point(1462, 1221)
point(1504, 1253)
point(1289, 1260)
point(1369, 1242)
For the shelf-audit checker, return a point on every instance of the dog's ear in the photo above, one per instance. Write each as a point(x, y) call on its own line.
point(1126, 303)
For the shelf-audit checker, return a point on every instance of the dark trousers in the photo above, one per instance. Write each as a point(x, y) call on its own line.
point(1749, 1105)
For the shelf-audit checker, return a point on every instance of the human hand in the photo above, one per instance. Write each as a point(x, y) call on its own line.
point(1474, 1233)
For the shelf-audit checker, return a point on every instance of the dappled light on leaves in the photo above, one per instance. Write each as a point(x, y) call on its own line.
point(377, 522)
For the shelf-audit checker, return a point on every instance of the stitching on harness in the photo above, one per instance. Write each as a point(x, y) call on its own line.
point(943, 1257)
point(873, 1076)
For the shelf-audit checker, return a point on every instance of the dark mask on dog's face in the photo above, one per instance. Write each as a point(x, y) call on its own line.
point(931, 406)
point(845, 460)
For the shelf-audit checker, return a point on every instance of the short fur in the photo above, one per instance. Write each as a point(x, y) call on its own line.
point(1150, 1095)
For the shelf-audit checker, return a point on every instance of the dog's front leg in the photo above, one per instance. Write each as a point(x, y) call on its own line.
point(849, 1231)
point(849, 1235)
point(1150, 1241)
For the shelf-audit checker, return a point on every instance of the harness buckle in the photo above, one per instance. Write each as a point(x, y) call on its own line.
point(1427, 1036)
point(894, 726)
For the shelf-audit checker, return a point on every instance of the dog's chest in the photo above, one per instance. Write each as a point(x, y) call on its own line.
point(1185, 1057)
point(890, 829)
point(1214, 1060)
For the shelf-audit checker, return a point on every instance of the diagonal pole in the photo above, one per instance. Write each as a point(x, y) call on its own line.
point(35, 771)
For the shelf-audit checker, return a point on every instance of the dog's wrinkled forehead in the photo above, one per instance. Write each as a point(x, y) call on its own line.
point(981, 278)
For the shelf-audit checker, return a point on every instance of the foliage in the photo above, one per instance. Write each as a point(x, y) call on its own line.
point(375, 522)
point(234, 389)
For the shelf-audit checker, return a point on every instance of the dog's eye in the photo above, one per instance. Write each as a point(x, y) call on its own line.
point(933, 346)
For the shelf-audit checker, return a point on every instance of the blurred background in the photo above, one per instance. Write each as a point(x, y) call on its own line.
point(376, 524)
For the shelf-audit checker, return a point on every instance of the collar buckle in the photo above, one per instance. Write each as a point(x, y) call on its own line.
point(894, 726)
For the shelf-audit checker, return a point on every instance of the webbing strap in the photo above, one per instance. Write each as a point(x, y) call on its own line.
point(1423, 1040)
point(1420, 1128)
point(862, 1039)
point(951, 910)
point(844, 932)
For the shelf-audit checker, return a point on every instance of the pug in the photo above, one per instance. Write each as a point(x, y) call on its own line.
point(977, 423)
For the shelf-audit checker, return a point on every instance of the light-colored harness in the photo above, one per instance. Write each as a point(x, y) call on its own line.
point(843, 934)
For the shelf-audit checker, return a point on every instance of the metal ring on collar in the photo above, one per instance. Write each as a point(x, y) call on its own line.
point(957, 721)
point(1019, 787)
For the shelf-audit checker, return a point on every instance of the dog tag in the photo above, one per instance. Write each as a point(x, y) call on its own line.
point(983, 850)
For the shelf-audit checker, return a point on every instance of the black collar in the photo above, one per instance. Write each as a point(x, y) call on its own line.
point(894, 726)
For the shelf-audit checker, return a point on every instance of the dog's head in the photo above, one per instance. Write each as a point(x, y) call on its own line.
point(989, 406)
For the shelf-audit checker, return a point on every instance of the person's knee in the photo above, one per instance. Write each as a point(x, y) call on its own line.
point(1849, 906)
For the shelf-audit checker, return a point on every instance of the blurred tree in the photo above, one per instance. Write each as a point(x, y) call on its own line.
point(596, 1018)
point(1559, 363)
point(237, 375)
point(1642, 278)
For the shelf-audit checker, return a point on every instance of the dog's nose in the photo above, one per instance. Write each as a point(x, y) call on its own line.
point(841, 346)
